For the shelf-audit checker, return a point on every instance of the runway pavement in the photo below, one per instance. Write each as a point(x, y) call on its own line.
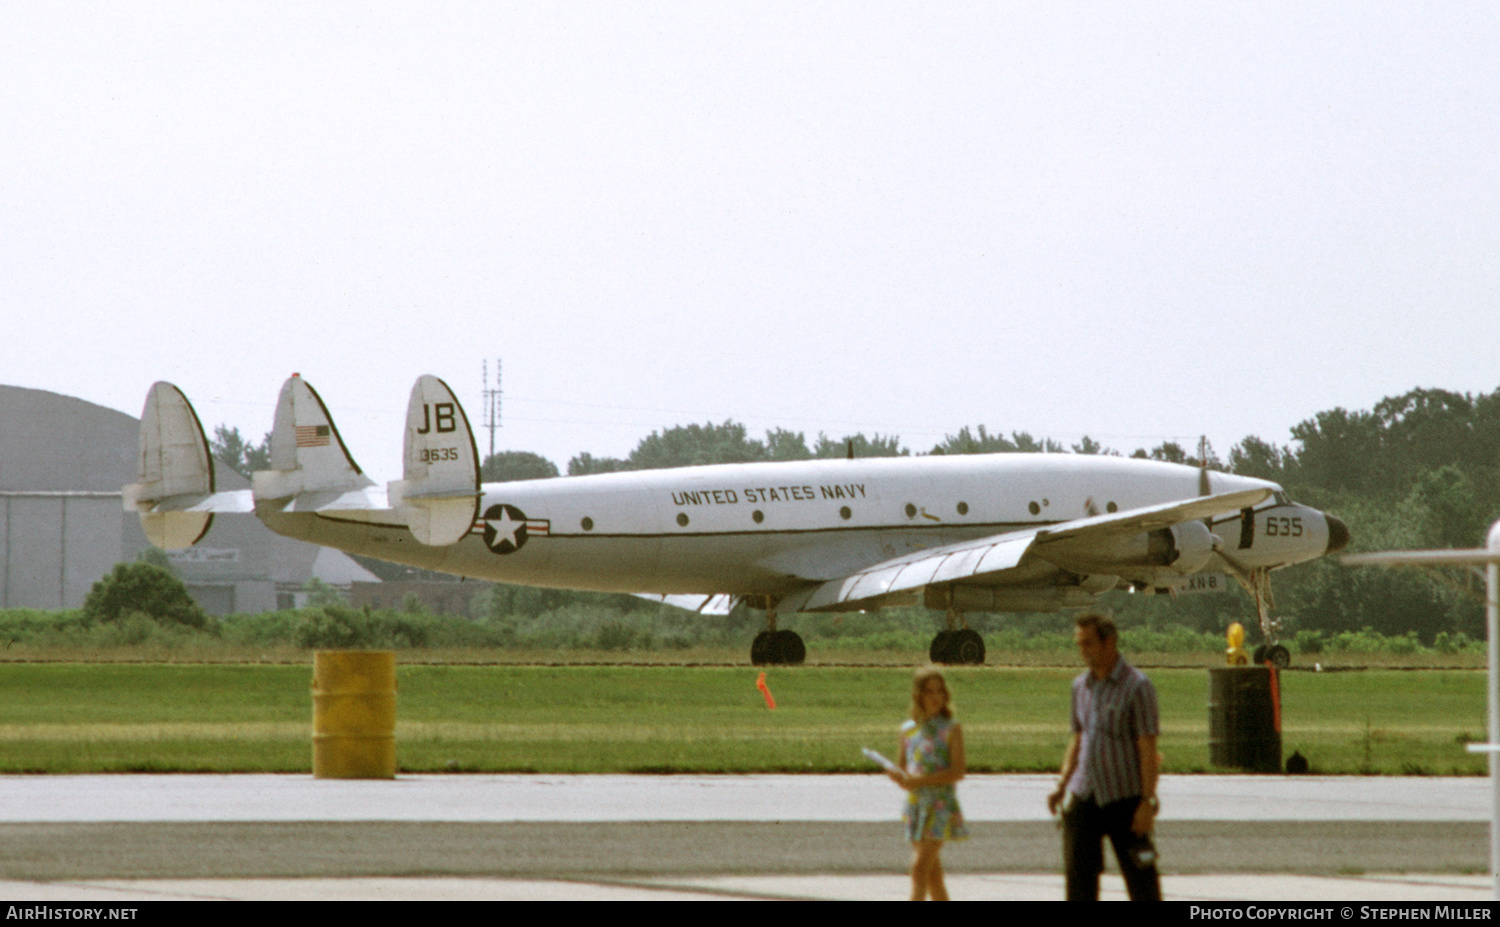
point(514, 836)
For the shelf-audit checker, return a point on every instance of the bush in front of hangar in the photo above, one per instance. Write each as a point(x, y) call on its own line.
point(143, 588)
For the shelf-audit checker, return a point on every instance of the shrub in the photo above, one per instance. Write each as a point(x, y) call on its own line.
point(145, 588)
point(320, 593)
point(1402, 645)
point(1309, 642)
point(338, 627)
point(616, 636)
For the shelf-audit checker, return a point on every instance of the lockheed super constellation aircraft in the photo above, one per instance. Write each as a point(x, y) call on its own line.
point(993, 532)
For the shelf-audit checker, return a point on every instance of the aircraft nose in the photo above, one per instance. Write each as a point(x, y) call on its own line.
point(1338, 534)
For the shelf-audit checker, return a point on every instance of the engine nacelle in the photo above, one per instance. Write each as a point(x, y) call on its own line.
point(1182, 548)
point(1185, 547)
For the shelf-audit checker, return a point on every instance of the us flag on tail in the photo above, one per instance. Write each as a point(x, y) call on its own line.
point(312, 435)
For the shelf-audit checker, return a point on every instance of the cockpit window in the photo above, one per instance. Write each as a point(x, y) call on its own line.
point(1277, 497)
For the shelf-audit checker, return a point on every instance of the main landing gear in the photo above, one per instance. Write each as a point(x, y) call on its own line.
point(778, 648)
point(773, 647)
point(957, 646)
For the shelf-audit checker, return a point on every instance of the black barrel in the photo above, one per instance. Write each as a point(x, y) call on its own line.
point(1242, 728)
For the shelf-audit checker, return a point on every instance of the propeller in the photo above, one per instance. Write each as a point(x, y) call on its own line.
point(1255, 580)
point(1203, 487)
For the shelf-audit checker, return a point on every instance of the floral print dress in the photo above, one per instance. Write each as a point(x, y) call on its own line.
point(931, 813)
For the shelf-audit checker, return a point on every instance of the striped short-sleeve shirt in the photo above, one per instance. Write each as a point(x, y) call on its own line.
point(1110, 715)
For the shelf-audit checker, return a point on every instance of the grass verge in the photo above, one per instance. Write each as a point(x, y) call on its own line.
point(80, 717)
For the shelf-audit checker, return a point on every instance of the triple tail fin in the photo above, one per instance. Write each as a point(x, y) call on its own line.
point(311, 469)
point(438, 497)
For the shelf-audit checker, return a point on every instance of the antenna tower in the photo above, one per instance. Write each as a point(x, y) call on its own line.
point(492, 402)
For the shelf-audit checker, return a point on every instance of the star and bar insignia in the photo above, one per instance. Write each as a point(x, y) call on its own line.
point(506, 528)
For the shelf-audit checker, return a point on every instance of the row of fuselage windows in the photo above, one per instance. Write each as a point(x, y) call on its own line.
point(845, 513)
point(1035, 507)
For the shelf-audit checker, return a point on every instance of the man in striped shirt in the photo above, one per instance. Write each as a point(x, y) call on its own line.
point(1108, 785)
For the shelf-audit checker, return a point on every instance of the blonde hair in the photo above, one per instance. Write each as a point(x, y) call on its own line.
point(918, 681)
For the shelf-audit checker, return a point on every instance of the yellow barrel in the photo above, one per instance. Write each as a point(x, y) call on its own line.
point(354, 714)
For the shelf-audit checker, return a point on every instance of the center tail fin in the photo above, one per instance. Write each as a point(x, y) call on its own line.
point(439, 495)
point(310, 466)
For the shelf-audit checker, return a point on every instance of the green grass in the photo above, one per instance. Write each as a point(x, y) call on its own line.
point(1414, 722)
point(78, 717)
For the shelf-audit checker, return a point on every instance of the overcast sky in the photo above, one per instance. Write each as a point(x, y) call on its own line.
point(1139, 222)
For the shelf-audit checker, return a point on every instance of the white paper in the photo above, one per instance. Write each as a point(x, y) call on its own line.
point(874, 757)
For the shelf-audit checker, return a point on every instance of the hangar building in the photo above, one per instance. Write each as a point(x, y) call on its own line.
point(62, 463)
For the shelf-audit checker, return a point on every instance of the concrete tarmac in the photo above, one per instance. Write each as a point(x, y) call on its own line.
point(101, 838)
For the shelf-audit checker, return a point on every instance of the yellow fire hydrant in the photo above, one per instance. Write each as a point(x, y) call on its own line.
point(1236, 655)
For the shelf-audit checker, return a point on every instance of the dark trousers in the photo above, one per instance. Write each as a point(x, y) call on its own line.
point(1085, 825)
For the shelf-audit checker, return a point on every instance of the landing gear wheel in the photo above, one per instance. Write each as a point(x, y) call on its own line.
point(761, 649)
point(787, 649)
point(967, 647)
point(1258, 656)
point(941, 650)
point(778, 648)
point(1279, 656)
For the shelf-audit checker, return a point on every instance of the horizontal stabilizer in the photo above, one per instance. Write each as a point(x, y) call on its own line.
point(233, 500)
point(307, 454)
point(438, 495)
point(366, 499)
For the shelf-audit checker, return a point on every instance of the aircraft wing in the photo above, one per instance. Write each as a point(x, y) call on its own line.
point(1469, 557)
point(1157, 516)
point(982, 561)
point(702, 604)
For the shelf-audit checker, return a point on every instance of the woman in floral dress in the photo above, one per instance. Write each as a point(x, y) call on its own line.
point(932, 751)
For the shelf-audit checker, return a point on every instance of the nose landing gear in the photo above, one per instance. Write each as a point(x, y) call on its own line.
point(1258, 584)
point(1278, 655)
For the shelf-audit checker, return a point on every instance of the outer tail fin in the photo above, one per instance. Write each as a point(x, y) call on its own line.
point(439, 495)
point(174, 493)
point(310, 467)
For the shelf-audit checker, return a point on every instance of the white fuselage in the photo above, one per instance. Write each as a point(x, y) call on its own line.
point(763, 529)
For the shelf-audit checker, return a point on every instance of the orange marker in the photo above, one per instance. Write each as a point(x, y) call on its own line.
point(760, 683)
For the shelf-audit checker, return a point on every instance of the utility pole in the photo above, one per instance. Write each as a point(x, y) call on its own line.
point(492, 403)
